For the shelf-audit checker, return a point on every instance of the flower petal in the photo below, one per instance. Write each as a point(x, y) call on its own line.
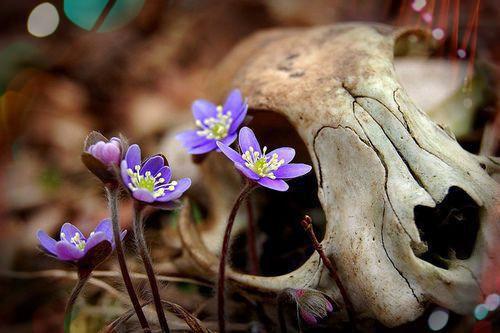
point(190, 138)
point(308, 318)
point(247, 139)
point(273, 184)
point(143, 195)
point(47, 242)
point(70, 231)
point(238, 119)
point(230, 153)
point(209, 145)
point(106, 227)
point(95, 239)
point(68, 252)
point(153, 164)
point(203, 109)
point(124, 173)
point(233, 101)
point(292, 170)
point(285, 153)
point(229, 139)
point(133, 156)
point(246, 171)
point(182, 185)
point(166, 174)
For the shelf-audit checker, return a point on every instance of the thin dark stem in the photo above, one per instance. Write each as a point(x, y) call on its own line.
point(72, 299)
point(251, 241)
point(148, 266)
point(281, 317)
point(307, 225)
point(112, 195)
point(225, 246)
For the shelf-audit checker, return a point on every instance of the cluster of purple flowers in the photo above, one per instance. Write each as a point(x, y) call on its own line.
point(149, 182)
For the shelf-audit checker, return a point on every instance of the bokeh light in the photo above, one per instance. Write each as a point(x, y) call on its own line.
point(492, 302)
point(87, 14)
point(480, 312)
point(438, 33)
point(43, 20)
point(438, 319)
point(418, 5)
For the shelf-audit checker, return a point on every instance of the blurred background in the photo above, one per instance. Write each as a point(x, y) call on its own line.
point(135, 66)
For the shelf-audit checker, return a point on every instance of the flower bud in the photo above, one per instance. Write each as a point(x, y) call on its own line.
point(312, 304)
point(102, 156)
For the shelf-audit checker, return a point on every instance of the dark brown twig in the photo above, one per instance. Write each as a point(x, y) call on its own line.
point(307, 225)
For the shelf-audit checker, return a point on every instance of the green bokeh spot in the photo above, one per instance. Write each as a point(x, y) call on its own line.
point(85, 13)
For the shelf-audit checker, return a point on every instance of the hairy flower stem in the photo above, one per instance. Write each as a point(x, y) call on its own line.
point(112, 195)
point(82, 279)
point(251, 241)
point(307, 225)
point(148, 266)
point(249, 186)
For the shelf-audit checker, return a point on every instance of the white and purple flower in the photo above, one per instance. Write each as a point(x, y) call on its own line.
point(268, 169)
point(214, 123)
point(74, 247)
point(150, 181)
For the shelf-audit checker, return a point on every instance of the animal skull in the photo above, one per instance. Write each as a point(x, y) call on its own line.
point(384, 171)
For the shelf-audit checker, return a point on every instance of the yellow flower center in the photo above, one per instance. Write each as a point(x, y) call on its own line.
point(217, 127)
point(153, 184)
point(261, 164)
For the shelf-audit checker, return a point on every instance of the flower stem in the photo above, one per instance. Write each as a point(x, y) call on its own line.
point(251, 242)
point(82, 279)
point(307, 225)
point(112, 195)
point(225, 246)
point(146, 259)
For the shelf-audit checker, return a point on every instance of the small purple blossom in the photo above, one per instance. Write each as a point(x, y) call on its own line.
point(150, 181)
point(102, 156)
point(74, 247)
point(312, 304)
point(268, 169)
point(214, 123)
point(109, 153)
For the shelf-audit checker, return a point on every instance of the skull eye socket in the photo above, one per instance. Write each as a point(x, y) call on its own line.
point(449, 229)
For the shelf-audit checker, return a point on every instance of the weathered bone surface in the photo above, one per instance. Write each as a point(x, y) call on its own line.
point(376, 158)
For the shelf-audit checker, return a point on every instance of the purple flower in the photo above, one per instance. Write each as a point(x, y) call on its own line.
point(215, 123)
point(150, 181)
point(74, 247)
point(109, 153)
point(267, 169)
point(311, 304)
point(102, 156)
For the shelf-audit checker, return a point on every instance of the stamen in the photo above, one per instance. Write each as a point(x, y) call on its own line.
point(155, 185)
point(217, 127)
point(262, 164)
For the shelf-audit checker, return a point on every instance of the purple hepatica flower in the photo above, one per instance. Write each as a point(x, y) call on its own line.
point(102, 156)
point(311, 304)
point(267, 169)
point(75, 248)
point(109, 153)
point(215, 123)
point(150, 182)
